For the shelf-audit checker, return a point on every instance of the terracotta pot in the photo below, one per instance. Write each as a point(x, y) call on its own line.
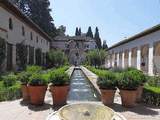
point(139, 93)
point(107, 96)
point(37, 94)
point(128, 97)
point(59, 94)
point(25, 92)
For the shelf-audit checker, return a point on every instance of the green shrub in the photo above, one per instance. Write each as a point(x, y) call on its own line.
point(107, 80)
point(10, 93)
point(9, 80)
point(37, 80)
point(117, 69)
point(151, 95)
point(33, 69)
point(154, 81)
point(96, 57)
point(129, 80)
point(59, 77)
point(57, 58)
point(24, 77)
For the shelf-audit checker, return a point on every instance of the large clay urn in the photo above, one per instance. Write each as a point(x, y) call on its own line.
point(139, 93)
point(128, 97)
point(107, 96)
point(59, 94)
point(25, 92)
point(37, 94)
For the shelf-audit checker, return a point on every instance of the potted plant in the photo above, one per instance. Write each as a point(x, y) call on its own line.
point(59, 86)
point(107, 83)
point(128, 83)
point(37, 89)
point(24, 78)
point(143, 79)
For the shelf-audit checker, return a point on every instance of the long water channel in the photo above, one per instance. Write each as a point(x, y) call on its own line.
point(81, 88)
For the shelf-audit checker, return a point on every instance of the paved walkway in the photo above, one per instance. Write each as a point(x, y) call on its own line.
point(18, 110)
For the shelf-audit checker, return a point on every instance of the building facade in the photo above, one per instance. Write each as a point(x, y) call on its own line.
point(141, 51)
point(75, 47)
point(16, 28)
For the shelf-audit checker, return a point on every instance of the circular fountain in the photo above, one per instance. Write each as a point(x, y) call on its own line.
point(85, 111)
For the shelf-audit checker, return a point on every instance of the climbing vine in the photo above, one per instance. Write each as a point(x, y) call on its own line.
point(21, 55)
point(2, 51)
point(38, 56)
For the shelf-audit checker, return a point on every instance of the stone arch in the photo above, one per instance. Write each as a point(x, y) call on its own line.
point(156, 58)
point(120, 59)
point(134, 57)
point(144, 57)
point(126, 57)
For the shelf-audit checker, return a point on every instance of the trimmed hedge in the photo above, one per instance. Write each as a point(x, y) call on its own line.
point(151, 95)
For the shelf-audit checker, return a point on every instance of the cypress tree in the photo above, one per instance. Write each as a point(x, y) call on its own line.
point(105, 46)
point(89, 32)
point(77, 32)
point(97, 38)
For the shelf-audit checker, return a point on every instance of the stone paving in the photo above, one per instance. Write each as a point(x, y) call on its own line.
point(19, 110)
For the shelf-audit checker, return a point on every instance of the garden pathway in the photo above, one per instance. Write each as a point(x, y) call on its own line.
point(18, 110)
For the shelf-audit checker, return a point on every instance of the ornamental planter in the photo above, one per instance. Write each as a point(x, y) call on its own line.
point(128, 97)
point(37, 94)
point(139, 93)
point(107, 96)
point(59, 94)
point(25, 92)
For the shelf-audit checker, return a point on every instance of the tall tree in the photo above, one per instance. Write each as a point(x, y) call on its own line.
point(97, 38)
point(89, 32)
point(77, 32)
point(22, 5)
point(39, 12)
point(105, 46)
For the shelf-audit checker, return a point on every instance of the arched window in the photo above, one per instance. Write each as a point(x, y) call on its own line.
point(10, 24)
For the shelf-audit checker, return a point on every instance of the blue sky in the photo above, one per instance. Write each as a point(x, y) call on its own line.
point(116, 19)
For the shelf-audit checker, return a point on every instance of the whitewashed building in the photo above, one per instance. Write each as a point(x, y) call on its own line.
point(75, 47)
point(15, 28)
point(141, 51)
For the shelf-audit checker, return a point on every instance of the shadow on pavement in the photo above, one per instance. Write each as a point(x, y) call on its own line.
point(141, 109)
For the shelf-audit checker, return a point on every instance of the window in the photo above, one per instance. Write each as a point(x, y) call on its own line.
point(31, 36)
point(10, 24)
point(23, 31)
point(37, 39)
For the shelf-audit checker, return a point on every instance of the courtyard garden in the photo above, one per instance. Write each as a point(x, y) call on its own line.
point(44, 89)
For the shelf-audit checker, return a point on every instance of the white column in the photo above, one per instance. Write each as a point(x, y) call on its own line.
point(129, 59)
point(139, 58)
point(122, 59)
point(150, 63)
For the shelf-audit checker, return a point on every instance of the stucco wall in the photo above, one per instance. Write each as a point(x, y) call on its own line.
point(15, 36)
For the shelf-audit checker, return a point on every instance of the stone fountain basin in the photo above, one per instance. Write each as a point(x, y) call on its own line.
point(85, 111)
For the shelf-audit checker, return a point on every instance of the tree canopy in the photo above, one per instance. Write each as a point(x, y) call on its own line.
point(39, 12)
